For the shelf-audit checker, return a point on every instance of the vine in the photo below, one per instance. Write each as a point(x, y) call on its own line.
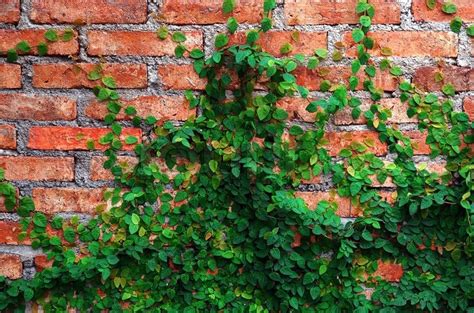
point(229, 234)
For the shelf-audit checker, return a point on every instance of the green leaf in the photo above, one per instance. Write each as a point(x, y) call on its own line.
point(23, 46)
point(263, 111)
point(179, 51)
point(228, 6)
point(355, 187)
point(42, 49)
point(449, 8)
point(252, 37)
point(94, 75)
point(69, 235)
point(130, 140)
point(162, 32)
point(67, 35)
point(322, 53)
point(213, 165)
point(232, 25)
point(51, 35)
point(295, 130)
point(449, 90)
point(323, 269)
point(196, 53)
point(266, 24)
point(456, 24)
point(431, 4)
point(12, 56)
point(358, 35)
point(112, 259)
point(135, 219)
point(268, 5)
point(365, 21)
point(178, 37)
point(109, 81)
point(280, 114)
point(221, 40)
point(39, 219)
point(293, 302)
point(470, 30)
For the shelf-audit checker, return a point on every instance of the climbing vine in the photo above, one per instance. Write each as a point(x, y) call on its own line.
point(221, 230)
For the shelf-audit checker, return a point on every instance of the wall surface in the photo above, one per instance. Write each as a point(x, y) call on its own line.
point(47, 113)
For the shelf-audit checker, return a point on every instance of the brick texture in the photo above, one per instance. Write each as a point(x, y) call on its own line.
point(469, 107)
point(88, 11)
point(7, 137)
point(462, 78)
point(313, 198)
point(9, 11)
point(57, 200)
point(38, 168)
point(9, 39)
point(11, 266)
point(10, 75)
point(36, 107)
point(65, 75)
point(465, 10)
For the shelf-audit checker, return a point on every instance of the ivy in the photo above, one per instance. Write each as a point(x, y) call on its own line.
point(221, 229)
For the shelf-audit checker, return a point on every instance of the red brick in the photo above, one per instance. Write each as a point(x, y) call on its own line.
point(389, 271)
point(465, 10)
point(342, 140)
point(76, 200)
point(161, 107)
point(89, 11)
point(396, 107)
point(11, 266)
point(208, 12)
point(37, 107)
point(313, 198)
point(9, 11)
point(137, 43)
point(469, 107)
point(302, 42)
point(38, 168)
point(10, 76)
point(296, 108)
point(7, 137)
point(66, 75)
point(462, 78)
point(422, 43)
point(180, 77)
point(9, 38)
point(73, 138)
point(312, 79)
point(9, 232)
point(42, 262)
point(300, 12)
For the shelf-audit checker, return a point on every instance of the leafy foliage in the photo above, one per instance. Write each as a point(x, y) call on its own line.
point(226, 233)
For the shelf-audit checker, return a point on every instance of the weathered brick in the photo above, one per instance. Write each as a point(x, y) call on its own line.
point(11, 266)
point(341, 140)
point(7, 137)
point(469, 107)
point(180, 77)
point(422, 43)
point(396, 107)
point(9, 38)
point(37, 107)
point(389, 271)
point(137, 43)
point(9, 11)
point(42, 262)
point(161, 107)
point(9, 232)
point(296, 108)
point(66, 75)
point(421, 12)
point(418, 140)
point(313, 198)
point(302, 42)
point(88, 11)
point(300, 12)
point(76, 200)
point(462, 78)
point(10, 75)
point(73, 138)
point(38, 168)
point(209, 11)
point(312, 79)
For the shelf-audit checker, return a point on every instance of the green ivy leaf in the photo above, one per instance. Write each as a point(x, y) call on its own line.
point(109, 81)
point(178, 37)
point(449, 8)
point(456, 24)
point(12, 56)
point(221, 40)
point(358, 35)
point(162, 32)
point(51, 35)
point(232, 25)
point(228, 6)
point(23, 46)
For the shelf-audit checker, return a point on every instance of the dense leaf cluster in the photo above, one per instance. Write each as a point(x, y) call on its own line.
point(225, 233)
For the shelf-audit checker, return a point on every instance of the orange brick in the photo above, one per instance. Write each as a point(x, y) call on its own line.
point(418, 140)
point(36, 107)
point(302, 42)
point(38, 168)
point(88, 11)
point(313, 198)
point(300, 12)
point(9, 38)
point(42, 262)
point(66, 75)
point(11, 266)
point(76, 200)
point(465, 10)
point(312, 79)
point(422, 43)
point(10, 76)
point(341, 140)
point(389, 271)
point(9, 11)
point(7, 137)
point(462, 78)
point(161, 107)
point(180, 77)
point(9, 232)
point(396, 107)
point(137, 43)
point(469, 107)
point(296, 108)
point(208, 12)
point(73, 138)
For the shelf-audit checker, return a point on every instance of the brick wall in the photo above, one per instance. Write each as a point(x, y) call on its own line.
point(47, 114)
